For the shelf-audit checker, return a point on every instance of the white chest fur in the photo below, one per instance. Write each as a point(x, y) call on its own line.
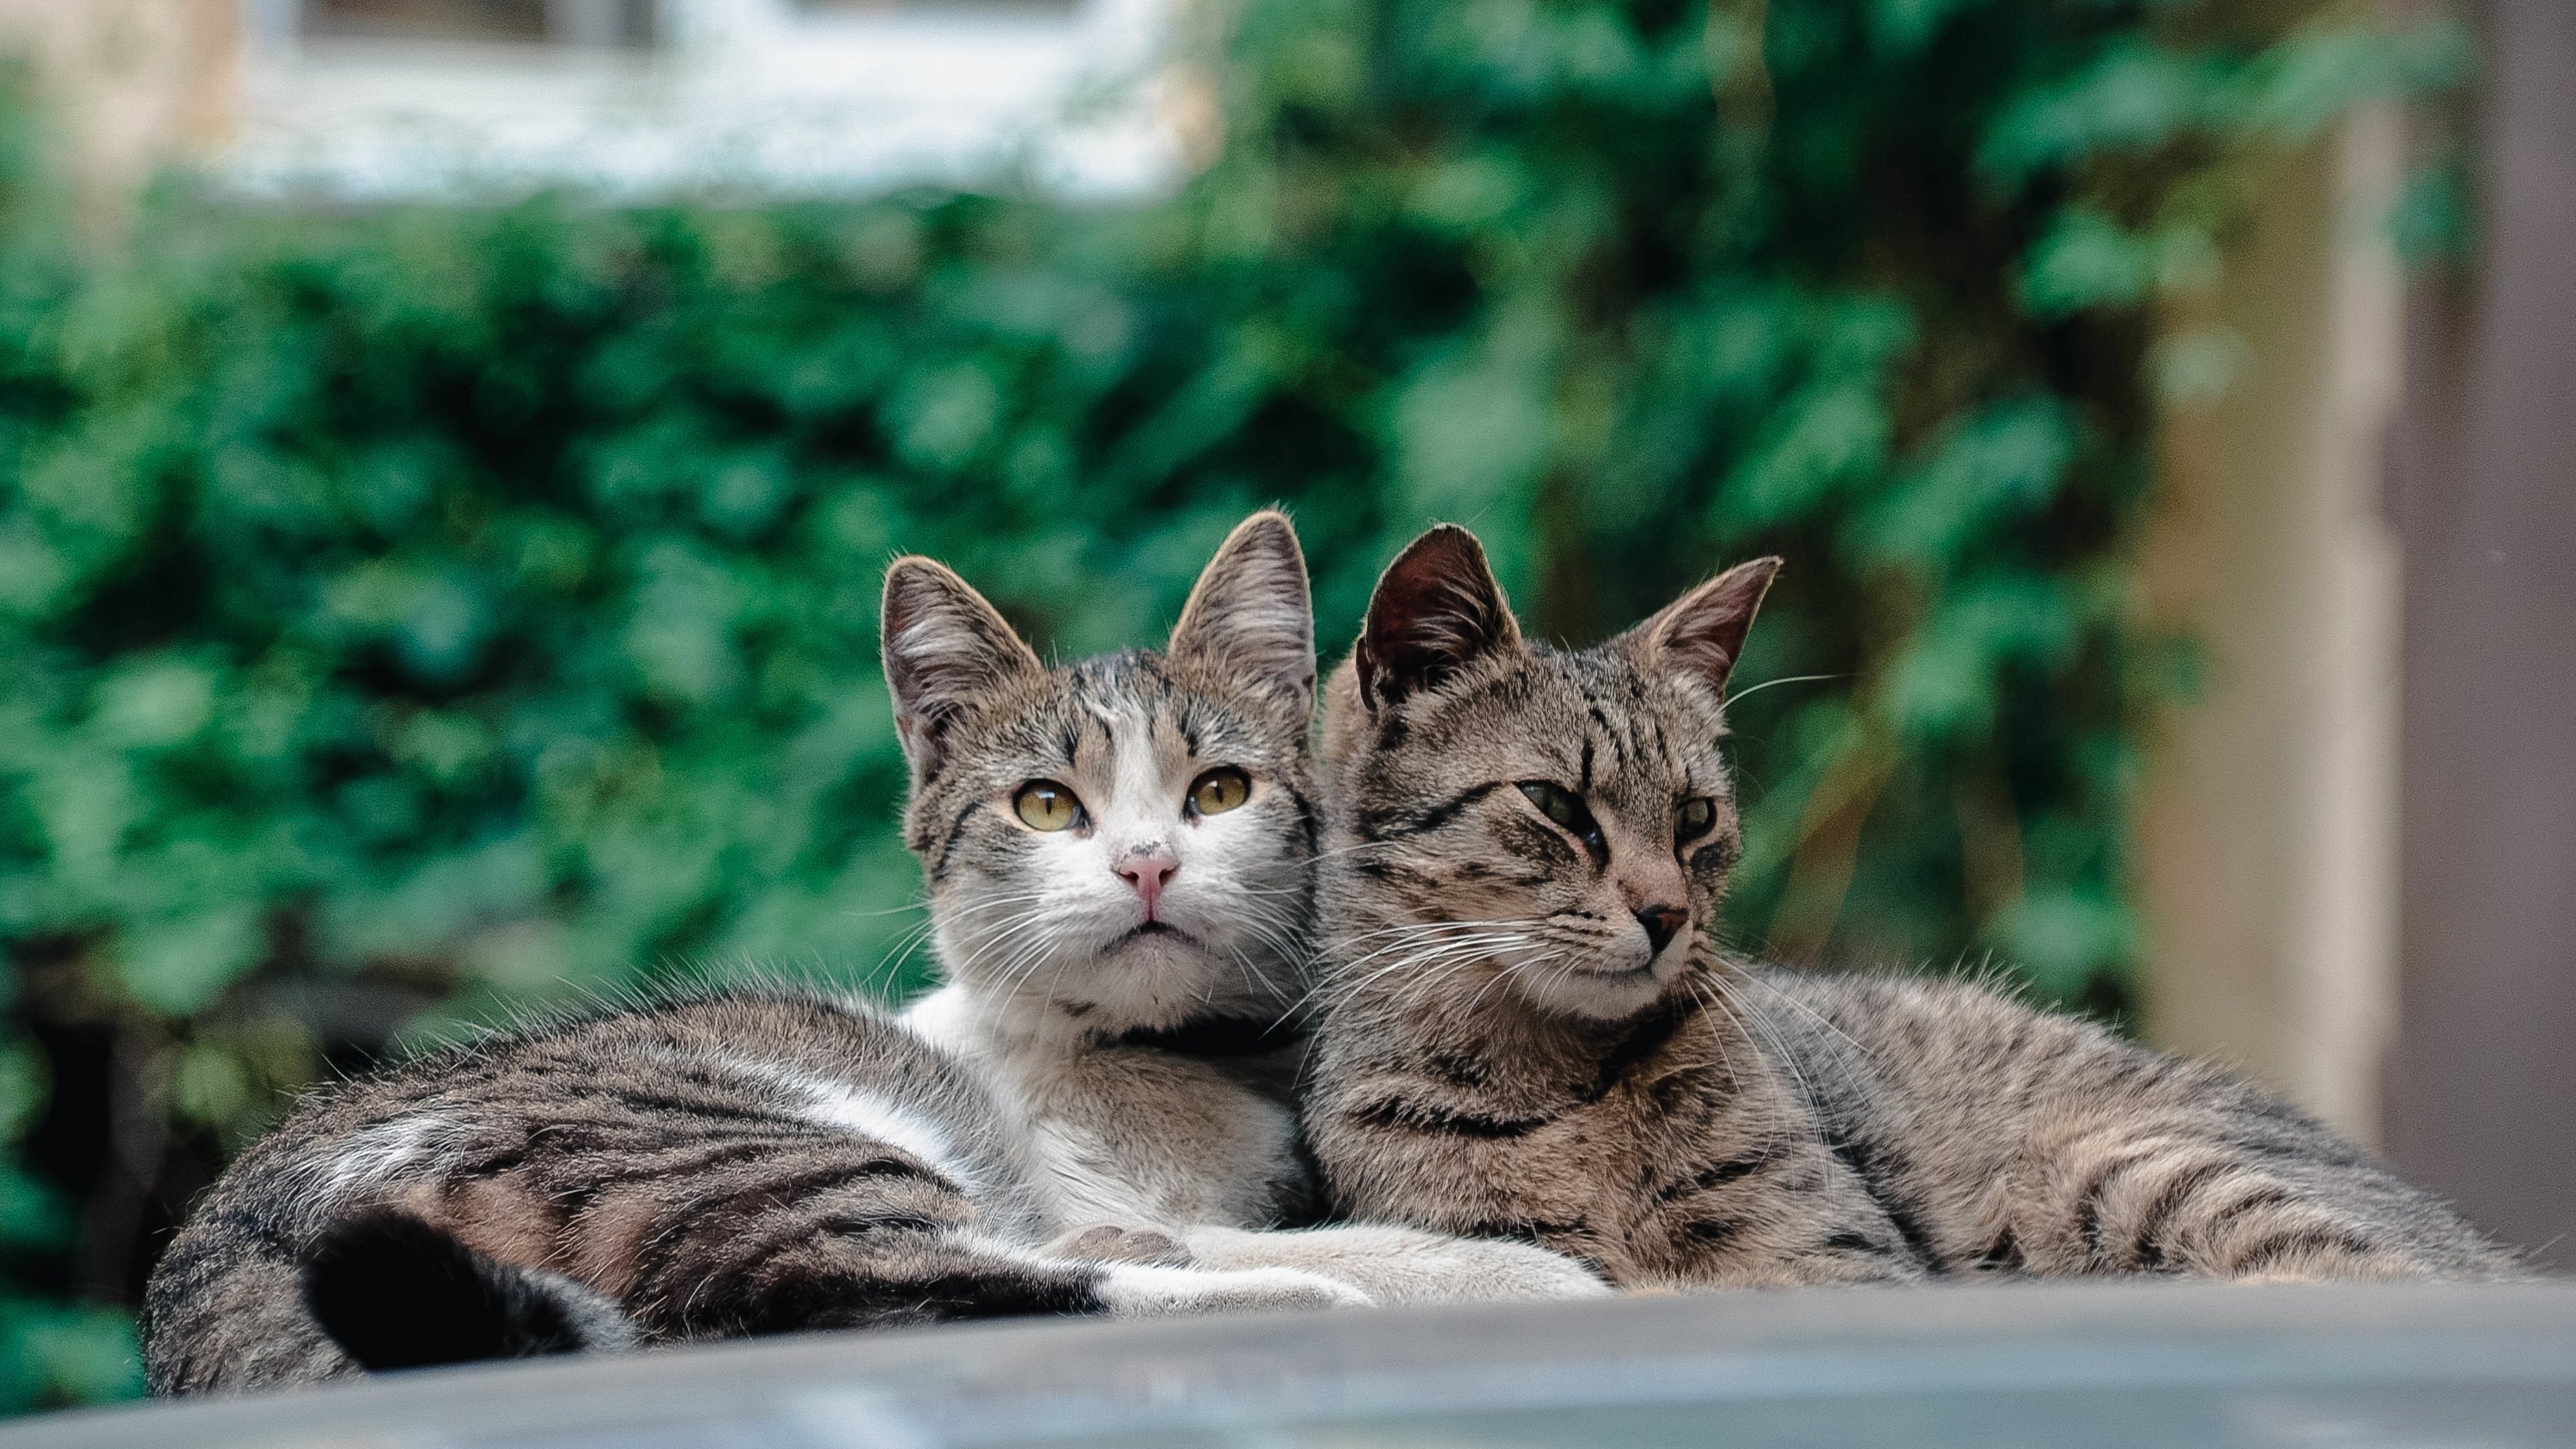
point(1125, 1135)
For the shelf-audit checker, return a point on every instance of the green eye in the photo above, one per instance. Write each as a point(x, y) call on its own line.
point(1565, 808)
point(1220, 790)
point(1557, 805)
point(1693, 819)
point(1046, 805)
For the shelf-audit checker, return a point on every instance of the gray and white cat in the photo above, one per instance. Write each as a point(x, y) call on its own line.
point(762, 1162)
point(1119, 855)
point(1527, 1031)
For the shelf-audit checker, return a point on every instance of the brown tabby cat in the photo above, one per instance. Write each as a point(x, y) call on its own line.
point(1527, 1032)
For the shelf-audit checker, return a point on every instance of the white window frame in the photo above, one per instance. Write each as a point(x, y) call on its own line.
point(734, 95)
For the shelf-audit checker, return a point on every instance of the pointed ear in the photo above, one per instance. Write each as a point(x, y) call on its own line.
point(1702, 632)
point(1250, 613)
point(942, 645)
point(1437, 610)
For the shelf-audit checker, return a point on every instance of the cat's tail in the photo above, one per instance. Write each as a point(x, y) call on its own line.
point(393, 1292)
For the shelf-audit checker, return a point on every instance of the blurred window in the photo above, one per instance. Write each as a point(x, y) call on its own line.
point(574, 22)
point(889, 7)
point(386, 98)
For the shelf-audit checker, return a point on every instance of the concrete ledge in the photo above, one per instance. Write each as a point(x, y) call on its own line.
point(2031, 1364)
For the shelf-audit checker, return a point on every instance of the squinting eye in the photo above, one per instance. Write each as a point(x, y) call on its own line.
point(1220, 790)
point(1554, 803)
point(1693, 819)
point(1046, 805)
point(1565, 808)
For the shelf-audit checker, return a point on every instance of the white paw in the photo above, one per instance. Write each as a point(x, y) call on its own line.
point(1136, 1291)
point(1524, 1270)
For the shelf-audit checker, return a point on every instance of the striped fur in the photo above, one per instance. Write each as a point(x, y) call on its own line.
point(711, 1168)
point(1527, 1032)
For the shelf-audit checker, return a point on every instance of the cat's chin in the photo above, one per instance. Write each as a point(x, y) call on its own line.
point(1158, 979)
point(1608, 995)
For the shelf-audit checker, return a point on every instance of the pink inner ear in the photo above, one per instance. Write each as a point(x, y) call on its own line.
point(1700, 654)
point(1250, 609)
point(941, 644)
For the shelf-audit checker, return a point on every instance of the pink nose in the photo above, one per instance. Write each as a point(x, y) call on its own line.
point(1148, 874)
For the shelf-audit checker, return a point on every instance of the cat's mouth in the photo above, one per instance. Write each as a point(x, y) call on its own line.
point(1148, 930)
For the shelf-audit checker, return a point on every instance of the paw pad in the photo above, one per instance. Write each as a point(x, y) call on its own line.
point(1112, 1243)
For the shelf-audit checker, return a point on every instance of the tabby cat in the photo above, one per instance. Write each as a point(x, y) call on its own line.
point(1119, 856)
point(1527, 1032)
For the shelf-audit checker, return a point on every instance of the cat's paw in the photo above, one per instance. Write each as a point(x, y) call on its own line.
point(1499, 1270)
point(1115, 1243)
point(1135, 1291)
point(1405, 1265)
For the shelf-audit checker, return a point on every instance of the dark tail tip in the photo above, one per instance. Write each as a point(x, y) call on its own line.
point(395, 1292)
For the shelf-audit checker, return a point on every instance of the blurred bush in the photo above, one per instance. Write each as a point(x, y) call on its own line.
point(410, 615)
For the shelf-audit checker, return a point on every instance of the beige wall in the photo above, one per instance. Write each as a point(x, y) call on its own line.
point(2270, 835)
point(133, 83)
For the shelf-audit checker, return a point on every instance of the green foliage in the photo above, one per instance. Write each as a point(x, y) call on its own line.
point(414, 614)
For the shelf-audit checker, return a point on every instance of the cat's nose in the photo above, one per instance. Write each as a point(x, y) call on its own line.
point(1148, 872)
point(1661, 923)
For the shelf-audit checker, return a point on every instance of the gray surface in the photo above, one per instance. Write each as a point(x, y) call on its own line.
point(2132, 1364)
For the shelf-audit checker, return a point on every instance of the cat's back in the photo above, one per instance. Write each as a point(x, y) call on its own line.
point(1932, 1065)
point(635, 1072)
point(1959, 1101)
point(1952, 1051)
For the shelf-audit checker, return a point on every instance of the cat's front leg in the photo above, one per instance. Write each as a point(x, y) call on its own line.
point(1132, 1290)
point(1402, 1265)
point(1148, 1273)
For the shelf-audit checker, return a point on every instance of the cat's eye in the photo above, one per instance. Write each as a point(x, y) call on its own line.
point(1693, 818)
point(1220, 790)
point(1565, 808)
point(1046, 805)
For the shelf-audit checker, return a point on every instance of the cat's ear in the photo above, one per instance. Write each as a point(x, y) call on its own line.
point(1437, 610)
point(1250, 614)
point(943, 645)
point(1702, 632)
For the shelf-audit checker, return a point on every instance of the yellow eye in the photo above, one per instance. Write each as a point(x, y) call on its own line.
point(1046, 805)
point(1220, 790)
point(1693, 819)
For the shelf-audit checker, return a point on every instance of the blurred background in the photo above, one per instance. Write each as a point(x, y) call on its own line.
point(448, 449)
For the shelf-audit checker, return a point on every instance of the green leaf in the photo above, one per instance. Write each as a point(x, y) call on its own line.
point(180, 966)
